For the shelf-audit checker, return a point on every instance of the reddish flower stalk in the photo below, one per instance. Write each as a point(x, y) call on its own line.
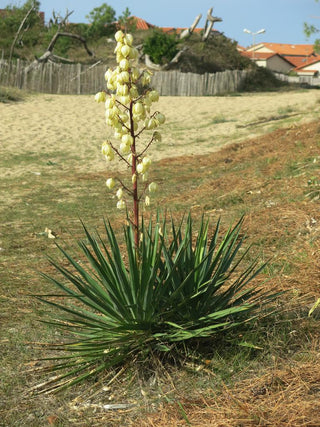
point(128, 112)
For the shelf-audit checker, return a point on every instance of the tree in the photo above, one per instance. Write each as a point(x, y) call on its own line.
point(20, 26)
point(100, 18)
point(310, 30)
point(161, 47)
point(126, 21)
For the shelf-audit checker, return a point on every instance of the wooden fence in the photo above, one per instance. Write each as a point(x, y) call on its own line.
point(85, 79)
point(89, 79)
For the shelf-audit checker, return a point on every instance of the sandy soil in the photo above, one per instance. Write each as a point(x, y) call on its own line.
point(74, 127)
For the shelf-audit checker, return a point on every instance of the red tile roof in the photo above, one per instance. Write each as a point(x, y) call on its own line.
point(309, 61)
point(264, 55)
point(141, 24)
point(290, 49)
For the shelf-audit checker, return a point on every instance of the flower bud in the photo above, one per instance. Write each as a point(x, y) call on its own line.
point(123, 117)
point(124, 76)
point(119, 193)
point(146, 78)
point(121, 204)
point(154, 96)
point(161, 118)
point(106, 149)
point(124, 63)
point(141, 168)
point(135, 74)
point(128, 39)
point(110, 103)
point(156, 136)
point(117, 134)
point(124, 148)
point(122, 89)
point(151, 124)
point(127, 139)
point(110, 183)
point(146, 163)
point(100, 97)
point(125, 51)
point(110, 113)
point(153, 187)
point(124, 99)
point(119, 36)
point(108, 74)
point(134, 178)
point(134, 92)
point(110, 156)
point(133, 53)
point(138, 109)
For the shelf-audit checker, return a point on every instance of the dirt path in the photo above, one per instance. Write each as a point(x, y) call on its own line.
point(72, 128)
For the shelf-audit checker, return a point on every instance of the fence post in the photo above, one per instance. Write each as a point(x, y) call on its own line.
point(79, 79)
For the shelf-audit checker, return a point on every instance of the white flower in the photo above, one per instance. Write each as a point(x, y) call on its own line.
point(153, 187)
point(106, 149)
point(141, 168)
point(119, 36)
point(128, 39)
point(151, 124)
point(119, 193)
point(154, 96)
point(127, 139)
point(110, 183)
point(121, 204)
point(125, 51)
point(138, 109)
point(146, 163)
point(100, 97)
point(124, 148)
point(109, 102)
point(147, 201)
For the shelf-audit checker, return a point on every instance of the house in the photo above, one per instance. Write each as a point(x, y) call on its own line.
point(272, 61)
point(311, 67)
point(301, 56)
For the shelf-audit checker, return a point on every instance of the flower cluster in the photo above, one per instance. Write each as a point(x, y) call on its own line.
point(128, 104)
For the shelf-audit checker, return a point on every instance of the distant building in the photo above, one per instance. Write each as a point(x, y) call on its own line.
point(282, 57)
point(272, 61)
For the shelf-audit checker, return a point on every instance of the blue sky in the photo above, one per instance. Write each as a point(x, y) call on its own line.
point(282, 19)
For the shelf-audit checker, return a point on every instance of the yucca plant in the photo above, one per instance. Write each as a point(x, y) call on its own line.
point(171, 290)
point(161, 287)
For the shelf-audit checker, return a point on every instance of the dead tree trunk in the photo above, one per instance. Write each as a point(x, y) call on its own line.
point(48, 55)
point(189, 31)
point(16, 38)
point(209, 24)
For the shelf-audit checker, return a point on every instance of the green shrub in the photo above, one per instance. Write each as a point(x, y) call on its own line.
point(161, 47)
point(261, 79)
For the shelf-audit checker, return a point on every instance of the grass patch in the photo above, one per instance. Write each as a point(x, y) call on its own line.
point(272, 377)
point(10, 94)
